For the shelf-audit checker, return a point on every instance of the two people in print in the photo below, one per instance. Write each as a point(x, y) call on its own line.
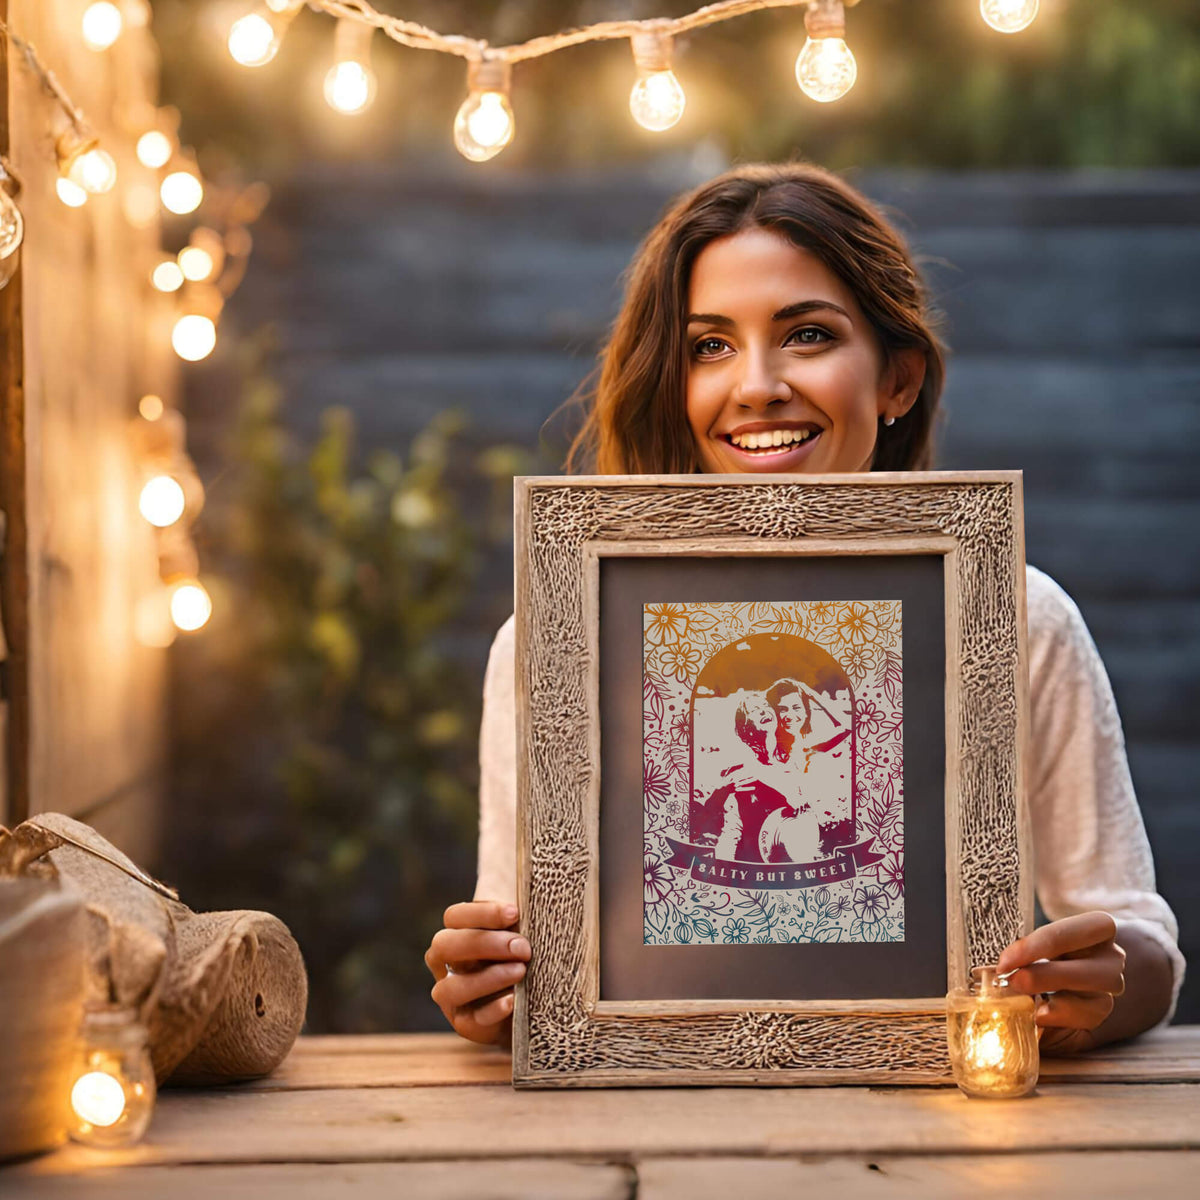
point(789, 799)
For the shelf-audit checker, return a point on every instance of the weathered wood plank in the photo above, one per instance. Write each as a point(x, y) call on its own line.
point(443, 1059)
point(398, 1124)
point(514, 1179)
point(1095, 1176)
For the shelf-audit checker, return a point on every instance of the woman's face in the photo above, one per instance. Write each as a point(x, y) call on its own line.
point(784, 372)
point(761, 714)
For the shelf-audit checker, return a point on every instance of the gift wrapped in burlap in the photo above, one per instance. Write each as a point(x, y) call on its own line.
point(222, 994)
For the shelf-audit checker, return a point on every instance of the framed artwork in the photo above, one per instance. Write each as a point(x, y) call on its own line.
point(770, 786)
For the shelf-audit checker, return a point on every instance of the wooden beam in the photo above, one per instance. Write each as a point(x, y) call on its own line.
point(14, 560)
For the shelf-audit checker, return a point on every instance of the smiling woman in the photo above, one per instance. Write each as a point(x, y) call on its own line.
point(791, 386)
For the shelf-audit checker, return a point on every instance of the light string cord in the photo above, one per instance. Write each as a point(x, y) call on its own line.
point(412, 34)
point(47, 78)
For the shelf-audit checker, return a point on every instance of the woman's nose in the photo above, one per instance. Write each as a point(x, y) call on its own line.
point(759, 383)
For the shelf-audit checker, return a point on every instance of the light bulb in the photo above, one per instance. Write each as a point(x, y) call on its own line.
point(484, 123)
point(150, 407)
point(194, 337)
point(349, 87)
point(190, 605)
point(825, 67)
point(12, 231)
point(196, 263)
point(94, 170)
point(350, 83)
point(181, 192)
point(253, 41)
point(101, 25)
point(167, 276)
point(162, 501)
point(1008, 16)
point(154, 149)
point(657, 100)
point(98, 1098)
point(71, 194)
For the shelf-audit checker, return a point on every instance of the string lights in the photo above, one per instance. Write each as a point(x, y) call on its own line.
point(484, 124)
point(12, 224)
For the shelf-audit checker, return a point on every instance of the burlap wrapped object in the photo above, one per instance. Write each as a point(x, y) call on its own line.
point(41, 998)
point(222, 994)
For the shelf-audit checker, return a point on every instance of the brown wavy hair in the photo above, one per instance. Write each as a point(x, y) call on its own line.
point(635, 420)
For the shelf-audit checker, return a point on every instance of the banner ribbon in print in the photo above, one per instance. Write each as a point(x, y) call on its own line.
point(845, 864)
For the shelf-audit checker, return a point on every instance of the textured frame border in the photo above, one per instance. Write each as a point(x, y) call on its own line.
point(563, 1034)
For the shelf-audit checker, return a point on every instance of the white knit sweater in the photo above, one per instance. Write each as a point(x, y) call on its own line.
point(1090, 847)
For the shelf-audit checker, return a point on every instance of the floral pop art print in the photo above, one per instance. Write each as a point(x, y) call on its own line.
point(773, 773)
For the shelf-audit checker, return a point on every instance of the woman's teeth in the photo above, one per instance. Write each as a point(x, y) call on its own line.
point(770, 439)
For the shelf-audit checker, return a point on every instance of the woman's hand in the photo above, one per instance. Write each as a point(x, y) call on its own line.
point(475, 961)
point(1077, 961)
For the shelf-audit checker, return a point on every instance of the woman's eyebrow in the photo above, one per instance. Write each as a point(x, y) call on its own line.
point(784, 314)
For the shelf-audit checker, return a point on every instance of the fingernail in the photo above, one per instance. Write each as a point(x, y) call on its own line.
point(507, 1003)
point(518, 945)
point(1042, 1010)
point(510, 913)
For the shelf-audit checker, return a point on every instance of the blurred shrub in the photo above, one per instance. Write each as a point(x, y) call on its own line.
point(325, 727)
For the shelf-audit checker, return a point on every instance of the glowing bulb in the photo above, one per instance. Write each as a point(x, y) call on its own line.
point(181, 192)
point(194, 337)
point(12, 231)
point(101, 25)
point(350, 83)
point(162, 501)
point(825, 69)
point(484, 123)
point(94, 171)
point(253, 41)
point(190, 606)
point(195, 263)
point(154, 149)
point(349, 87)
point(98, 1098)
point(150, 406)
point(1008, 16)
point(71, 194)
point(167, 276)
point(657, 101)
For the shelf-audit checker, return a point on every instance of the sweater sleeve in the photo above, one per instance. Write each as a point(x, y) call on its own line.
point(1090, 846)
point(497, 878)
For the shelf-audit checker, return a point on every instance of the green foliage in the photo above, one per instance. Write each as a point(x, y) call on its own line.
point(326, 731)
point(1090, 83)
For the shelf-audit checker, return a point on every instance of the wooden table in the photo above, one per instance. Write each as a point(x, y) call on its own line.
point(408, 1116)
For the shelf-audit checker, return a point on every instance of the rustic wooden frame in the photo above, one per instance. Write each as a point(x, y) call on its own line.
point(564, 1035)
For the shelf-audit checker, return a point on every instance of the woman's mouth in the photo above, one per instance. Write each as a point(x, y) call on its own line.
point(773, 449)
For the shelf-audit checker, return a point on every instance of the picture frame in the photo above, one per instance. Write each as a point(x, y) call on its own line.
point(930, 563)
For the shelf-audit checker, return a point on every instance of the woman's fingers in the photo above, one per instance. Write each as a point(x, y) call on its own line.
point(1101, 971)
point(1074, 1010)
point(455, 991)
point(468, 949)
point(1060, 939)
point(480, 914)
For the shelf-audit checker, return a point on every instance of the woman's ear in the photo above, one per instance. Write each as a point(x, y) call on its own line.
point(902, 381)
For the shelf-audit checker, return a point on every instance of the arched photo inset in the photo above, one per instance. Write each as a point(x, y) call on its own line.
point(773, 772)
point(772, 764)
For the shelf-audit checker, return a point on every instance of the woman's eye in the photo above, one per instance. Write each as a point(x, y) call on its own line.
point(810, 335)
point(706, 347)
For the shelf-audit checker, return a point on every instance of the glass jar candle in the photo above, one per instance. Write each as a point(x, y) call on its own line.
point(112, 1092)
point(992, 1037)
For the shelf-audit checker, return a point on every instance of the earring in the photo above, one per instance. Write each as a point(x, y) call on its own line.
point(889, 420)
